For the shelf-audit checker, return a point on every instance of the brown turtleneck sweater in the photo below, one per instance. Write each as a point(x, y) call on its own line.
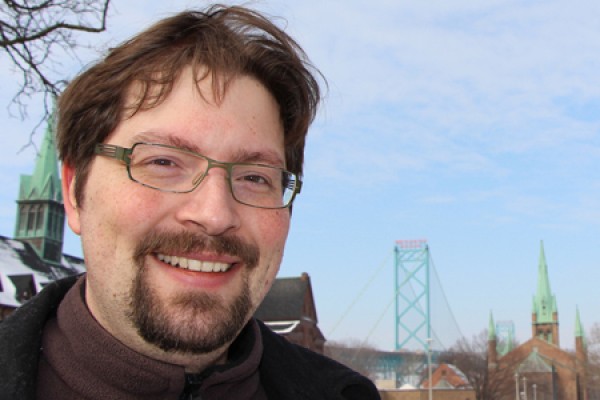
point(81, 360)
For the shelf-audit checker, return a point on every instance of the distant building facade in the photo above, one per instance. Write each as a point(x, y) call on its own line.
point(423, 394)
point(447, 383)
point(539, 369)
point(446, 376)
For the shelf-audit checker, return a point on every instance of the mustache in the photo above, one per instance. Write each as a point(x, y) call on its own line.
point(187, 242)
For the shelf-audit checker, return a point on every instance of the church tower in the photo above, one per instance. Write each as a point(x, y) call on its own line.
point(41, 215)
point(545, 312)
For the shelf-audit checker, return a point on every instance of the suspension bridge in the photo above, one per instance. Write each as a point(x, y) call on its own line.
point(424, 323)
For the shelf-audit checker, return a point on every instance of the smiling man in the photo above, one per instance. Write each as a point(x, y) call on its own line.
point(182, 153)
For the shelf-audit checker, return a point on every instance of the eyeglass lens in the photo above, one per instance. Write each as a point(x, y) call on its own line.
point(176, 170)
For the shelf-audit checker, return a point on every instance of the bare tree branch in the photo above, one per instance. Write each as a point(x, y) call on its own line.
point(470, 357)
point(36, 35)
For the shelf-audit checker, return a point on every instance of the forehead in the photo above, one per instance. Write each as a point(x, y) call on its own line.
point(195, 116)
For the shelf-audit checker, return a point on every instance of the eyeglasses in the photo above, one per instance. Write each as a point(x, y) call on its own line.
point(171, 169)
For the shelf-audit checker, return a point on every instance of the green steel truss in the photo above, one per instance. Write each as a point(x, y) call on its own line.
point(413, 301)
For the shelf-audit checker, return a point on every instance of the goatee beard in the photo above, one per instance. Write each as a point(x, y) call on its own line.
point(189, 322)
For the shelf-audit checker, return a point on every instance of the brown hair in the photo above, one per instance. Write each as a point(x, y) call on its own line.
point(221, 41)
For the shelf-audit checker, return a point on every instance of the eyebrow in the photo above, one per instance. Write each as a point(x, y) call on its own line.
point(261, 157)
point(265, 156)
point(150, 137)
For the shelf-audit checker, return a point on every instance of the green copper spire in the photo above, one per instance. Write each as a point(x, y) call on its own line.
point(579, 332)
point(544, 302)
point(41, 215)
point(44, 184)
point(491, 328)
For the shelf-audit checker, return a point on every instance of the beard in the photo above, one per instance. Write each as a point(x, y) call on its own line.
point(189, 322)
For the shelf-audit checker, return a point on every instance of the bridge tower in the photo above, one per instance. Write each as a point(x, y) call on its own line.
point(413, 300)
point(505, 334)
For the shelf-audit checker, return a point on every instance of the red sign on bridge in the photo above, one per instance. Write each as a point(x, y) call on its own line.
point(412, 244)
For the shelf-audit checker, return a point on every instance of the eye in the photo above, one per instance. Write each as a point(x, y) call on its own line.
point(159, 162)
point(257, 179)
point(162, 162)
point(160, 166)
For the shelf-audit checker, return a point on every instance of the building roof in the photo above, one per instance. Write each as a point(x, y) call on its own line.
point(286, 300)
point(534, 362)
point(446, 376)
point(18, 260)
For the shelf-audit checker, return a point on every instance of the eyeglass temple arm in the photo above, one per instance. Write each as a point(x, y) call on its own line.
point(298, 186)
point(112, 151)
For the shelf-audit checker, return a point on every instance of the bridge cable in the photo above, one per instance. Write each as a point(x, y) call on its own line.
point(361, 293)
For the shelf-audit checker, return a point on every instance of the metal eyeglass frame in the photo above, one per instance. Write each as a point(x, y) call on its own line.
point(123, 154)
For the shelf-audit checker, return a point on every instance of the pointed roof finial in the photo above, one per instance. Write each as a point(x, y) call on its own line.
point(544, 302)
point(491, 328)
point(579, 332)
point(44, 184)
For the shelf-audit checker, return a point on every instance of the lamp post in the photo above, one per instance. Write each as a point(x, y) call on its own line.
point(524, 388)
point(430, 391)
point(516, 386)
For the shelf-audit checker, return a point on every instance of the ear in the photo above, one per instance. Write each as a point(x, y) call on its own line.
point(68, 189)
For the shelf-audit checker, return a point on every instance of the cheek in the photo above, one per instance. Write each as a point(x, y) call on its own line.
point(132, 205)
point(272, 232)
point(115, 217)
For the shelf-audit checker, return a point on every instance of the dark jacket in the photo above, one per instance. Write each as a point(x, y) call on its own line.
point(287, 371)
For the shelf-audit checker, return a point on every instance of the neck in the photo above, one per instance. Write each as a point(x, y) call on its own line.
point(192, 363)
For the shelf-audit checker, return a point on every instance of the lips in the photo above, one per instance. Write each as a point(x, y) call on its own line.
point(194, 265)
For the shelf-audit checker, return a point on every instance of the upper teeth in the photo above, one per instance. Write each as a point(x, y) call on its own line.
point(194, 265)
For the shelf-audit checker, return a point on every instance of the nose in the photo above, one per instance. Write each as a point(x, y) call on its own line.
point(211, 206)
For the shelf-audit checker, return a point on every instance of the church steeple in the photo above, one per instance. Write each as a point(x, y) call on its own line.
point(580, 342)
point(491, 328)
point(492, 351)
point(578, 326)
point(545, 312)
point(41, 216)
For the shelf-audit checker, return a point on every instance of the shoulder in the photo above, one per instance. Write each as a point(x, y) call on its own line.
point(20, 337)
point(294, 372)
point(33, 314)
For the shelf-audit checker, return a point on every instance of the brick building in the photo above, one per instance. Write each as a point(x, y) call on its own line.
point(289, 310)
point(446, 376)
point(539, 369)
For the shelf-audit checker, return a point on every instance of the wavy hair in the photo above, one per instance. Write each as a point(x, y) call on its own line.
point(223, 42)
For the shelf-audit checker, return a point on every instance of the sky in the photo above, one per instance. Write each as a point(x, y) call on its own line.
point(472, 125)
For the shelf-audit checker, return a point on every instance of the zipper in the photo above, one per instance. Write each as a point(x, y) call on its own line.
point(191, 390)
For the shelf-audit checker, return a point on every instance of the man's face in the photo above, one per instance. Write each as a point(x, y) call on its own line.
point(137, 240)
